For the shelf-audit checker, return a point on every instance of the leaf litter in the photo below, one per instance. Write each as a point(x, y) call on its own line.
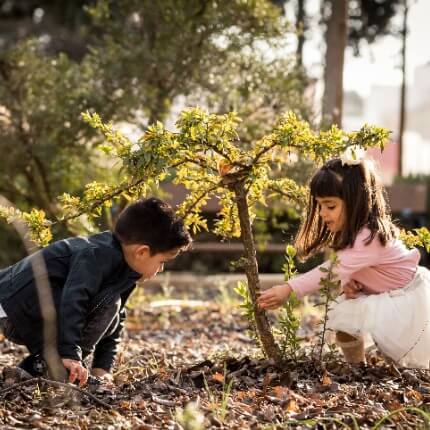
point(195, 367)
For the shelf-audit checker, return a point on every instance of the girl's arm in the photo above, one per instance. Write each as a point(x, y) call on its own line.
point(274, 297)
point(351, 260)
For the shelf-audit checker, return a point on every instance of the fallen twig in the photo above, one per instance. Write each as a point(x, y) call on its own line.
point(177, 390)
point(163, 402)
point(17, 385)
point(56, 384)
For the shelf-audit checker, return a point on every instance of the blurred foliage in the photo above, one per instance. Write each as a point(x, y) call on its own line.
point(45, 147)
point(61, 26)
point(155, 51)
point(418, 237)
point(131, 61)
point(368, 19)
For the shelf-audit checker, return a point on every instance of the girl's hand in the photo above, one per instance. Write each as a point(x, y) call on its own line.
point(76, 371)
point(352, 289)
point(274, 297)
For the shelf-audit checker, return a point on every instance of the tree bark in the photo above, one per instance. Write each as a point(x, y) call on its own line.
point(402, 119)
point(300, 29)
point(251, 270)
point(336, 37)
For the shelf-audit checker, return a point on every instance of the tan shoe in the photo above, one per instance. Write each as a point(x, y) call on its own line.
point(353, 350)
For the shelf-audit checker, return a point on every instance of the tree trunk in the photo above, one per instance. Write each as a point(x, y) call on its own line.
point(157, 109)
point(300, 29)
point(336, 37)
point(402, 120)
point(251, 269)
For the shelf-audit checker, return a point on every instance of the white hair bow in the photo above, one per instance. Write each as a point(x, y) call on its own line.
point(353, 155)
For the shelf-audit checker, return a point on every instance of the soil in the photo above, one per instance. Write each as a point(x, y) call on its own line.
point(189, 363)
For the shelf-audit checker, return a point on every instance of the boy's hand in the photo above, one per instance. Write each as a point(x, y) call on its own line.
point(274, 297)
point(352, 289)
point(77, 372)
point(102, 374)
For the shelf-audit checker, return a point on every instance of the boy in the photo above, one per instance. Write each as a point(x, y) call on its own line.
point(91, 280)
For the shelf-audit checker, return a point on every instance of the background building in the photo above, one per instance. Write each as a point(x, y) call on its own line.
point(381, 108)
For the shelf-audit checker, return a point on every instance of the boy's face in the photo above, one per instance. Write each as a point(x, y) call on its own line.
point(139, 258)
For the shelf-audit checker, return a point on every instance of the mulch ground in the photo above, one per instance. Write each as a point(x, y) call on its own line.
point(191, 365)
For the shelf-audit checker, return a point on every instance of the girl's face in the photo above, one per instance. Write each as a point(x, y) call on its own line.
point(332, 212)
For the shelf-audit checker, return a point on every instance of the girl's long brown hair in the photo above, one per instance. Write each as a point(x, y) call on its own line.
point(365, 205)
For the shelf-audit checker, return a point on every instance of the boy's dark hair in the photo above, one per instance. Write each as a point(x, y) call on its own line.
point(152, 222)
point(365, 204)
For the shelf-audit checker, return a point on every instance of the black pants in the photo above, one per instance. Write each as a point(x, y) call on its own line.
point(100, 324)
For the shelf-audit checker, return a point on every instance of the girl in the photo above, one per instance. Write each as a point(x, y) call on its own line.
point(386, 293)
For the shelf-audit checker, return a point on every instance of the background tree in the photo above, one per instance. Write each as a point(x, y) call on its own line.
point(352, 23)
point(157, 51)
point(301, 25)
point(334, 62)
point(402, 113)
point(367, 21)
point(60, 26)
point(370, 20)
point(45, 147)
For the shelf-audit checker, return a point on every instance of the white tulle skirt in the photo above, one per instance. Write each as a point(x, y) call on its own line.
point(398, 321)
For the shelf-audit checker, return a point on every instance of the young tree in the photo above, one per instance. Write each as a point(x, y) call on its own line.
point(206, 156)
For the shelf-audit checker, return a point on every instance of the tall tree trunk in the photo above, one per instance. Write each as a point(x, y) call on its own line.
point(251, 269)
point(300, 29)
point(336, 37)
point(402, 120)
point(158, 109)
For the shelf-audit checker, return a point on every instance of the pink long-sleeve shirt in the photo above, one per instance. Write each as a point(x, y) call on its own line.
point(378, 268)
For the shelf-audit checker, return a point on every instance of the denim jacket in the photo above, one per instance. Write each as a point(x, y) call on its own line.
point(83, 273)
